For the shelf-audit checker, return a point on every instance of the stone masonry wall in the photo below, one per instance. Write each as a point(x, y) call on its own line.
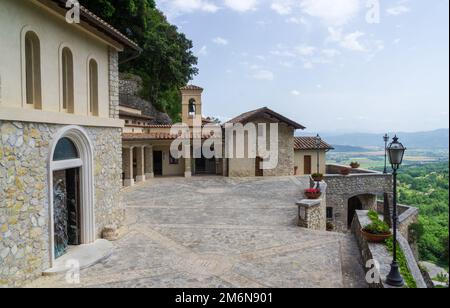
point(341, 188)
point(24, 190)
point(113, 84)
point(312, 214)
point(245, 167)
point(130, 87)
point(285, 153)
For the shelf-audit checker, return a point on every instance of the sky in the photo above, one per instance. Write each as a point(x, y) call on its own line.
point(331, 65)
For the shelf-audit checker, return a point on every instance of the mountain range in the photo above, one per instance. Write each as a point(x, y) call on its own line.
point(436, 139)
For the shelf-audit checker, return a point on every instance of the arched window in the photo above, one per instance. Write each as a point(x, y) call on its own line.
point(67, 80)
point(65, 150)
point(33, 70)
point(192, 107)
point(93, 87)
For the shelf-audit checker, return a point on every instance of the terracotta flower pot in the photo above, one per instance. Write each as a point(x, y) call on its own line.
point(345, 171)
point(375, 238)
point(313, 196)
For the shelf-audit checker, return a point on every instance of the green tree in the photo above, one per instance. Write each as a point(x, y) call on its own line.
point(167, 61)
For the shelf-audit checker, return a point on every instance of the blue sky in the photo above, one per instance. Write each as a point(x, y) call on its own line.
point(332, 65)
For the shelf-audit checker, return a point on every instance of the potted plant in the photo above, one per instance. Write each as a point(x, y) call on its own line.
point(317, 177)
point(355, 165)
point(345, 171)
point(330, 226)
point(313, 193)
point(376, 232)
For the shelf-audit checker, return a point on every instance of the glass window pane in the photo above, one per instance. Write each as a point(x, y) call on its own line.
point(65, 149)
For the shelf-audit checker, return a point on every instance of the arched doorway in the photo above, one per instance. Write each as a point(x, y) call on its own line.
point(71, 191)
point(354, 204)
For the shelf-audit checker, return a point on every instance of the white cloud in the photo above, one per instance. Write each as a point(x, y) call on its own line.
point(305, 50)
point(177, 7)
point(203, 51)
point(295, 92)
point(348, 41)
point(241, 5)
point(398, 10)
point(330, 53)
point(332, 12)
point(220, 41)
point(264, 75)
point(282, 7)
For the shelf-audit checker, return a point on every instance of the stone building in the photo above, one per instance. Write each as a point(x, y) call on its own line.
point(307, 155)
point(59, 124)
point(147, 138)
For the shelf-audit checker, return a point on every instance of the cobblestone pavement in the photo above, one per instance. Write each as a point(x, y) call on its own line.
point(221, 232)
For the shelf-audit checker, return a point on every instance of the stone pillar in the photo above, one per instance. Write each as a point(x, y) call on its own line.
point(311, 214)
point(187, 167)
point(148, 165)
point(128, 166)
point(140, 172)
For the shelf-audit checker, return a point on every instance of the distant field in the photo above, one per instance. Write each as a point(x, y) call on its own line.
point(375, 159)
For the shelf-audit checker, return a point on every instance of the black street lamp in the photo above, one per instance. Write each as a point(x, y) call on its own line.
point(318, 143)
point(386, 140)
point(396, 152)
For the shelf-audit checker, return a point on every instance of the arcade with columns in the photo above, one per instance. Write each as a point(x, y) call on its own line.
point(146, 147)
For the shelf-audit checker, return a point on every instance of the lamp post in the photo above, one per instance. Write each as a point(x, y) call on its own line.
point(386, 140)
point(318, 143)
point(396, 152)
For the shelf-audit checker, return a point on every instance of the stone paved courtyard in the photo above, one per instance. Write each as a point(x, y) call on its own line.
point(221, 232)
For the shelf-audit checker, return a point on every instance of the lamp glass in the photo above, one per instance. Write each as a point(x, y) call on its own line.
point(396, 152)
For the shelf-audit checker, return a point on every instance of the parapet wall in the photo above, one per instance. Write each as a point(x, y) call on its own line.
point(364, 184)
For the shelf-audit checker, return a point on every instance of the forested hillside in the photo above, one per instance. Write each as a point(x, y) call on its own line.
point(167, 61)
point(426, 186)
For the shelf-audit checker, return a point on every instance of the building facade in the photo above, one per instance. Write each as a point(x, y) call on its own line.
point(146, 142)
point(309, 158)
point(59, 123)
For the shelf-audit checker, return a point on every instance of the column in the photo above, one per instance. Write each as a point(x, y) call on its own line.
point(148, 152)
point(140, 174)
point(128, 166)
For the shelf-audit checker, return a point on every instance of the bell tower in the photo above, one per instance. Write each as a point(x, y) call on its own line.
point(191, 104)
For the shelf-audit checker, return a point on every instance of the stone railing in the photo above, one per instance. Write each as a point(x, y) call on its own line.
point(335, 169)
point(312, 214)
point(371, 252)
point(407, 215)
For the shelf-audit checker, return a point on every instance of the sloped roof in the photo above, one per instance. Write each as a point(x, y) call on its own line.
point(191, 87)
point(160, 136)
point(261, 112)
point(134, 115)
point(101, 25)
point(309, 143)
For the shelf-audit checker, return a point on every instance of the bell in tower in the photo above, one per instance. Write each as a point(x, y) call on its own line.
point(191, 104)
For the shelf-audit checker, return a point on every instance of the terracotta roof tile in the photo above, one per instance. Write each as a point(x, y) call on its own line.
point(191, 87)
point(248, 116)
point(102, 25)
point(309, 143)
point(156, 136)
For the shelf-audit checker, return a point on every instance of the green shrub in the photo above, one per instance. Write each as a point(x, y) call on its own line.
point(373, 216)
point(403, 264)
point(378, 227)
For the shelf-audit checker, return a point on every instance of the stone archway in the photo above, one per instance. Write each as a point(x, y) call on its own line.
point(360, 202)
point(83, 162)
